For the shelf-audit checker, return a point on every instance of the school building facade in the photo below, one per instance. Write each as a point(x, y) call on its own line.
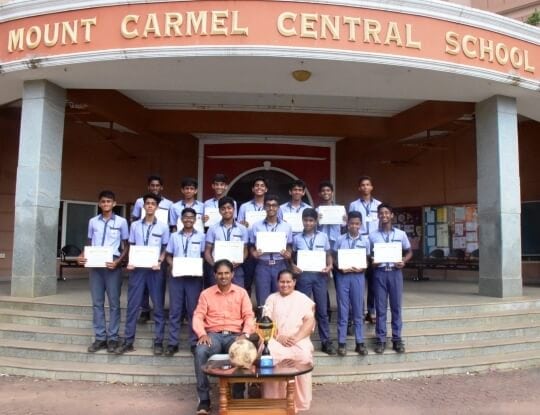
point(438, 102)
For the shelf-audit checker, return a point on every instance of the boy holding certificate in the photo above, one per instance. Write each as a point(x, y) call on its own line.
point(106, 230)
point(148, 238)
point(220, 185)
point(314, 263)
point(227, 240)
point(189, 188)
point(388, 246)
point(351, 251)
point(326, 198)
point(184, 290)
point(291, 212)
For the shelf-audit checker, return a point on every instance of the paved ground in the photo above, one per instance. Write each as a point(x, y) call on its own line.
point(514, 392)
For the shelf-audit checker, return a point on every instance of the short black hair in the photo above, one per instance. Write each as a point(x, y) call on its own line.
point(188, 210)
point(385, 205)
point(220, 178)
point(297, 183)
point(354, 214)
point(268, 198)
point(221, 262)
point(363, 178)
point(155, 177)
point(326, 183)
point(189, 181)
point(259, 179)
point(151, 196)
point(109, 194)
point(310, 213)
point(287, 271)
point(225, 200)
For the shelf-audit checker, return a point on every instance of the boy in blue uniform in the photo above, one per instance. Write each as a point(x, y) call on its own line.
point(297, 190)
point(106, 229)
point(189, 188)
point(183, 291)
point(326, 198)
point(388, 280)
point(220, 185)
point(315, 283)
point(227, 230)
point(147, 231)
point(350, 286)
point(367, 206)
point(269, 263)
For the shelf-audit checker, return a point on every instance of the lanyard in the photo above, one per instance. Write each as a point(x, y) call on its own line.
point(256, 207)
point(352, 241)
point(188, 239)
point(148, 230)
point(273, 228)
point(367, 206)
point(386, 236)
point(292, 209)
point(227, 236)
point(105, 228)
point(216, 202)
point(311, 241)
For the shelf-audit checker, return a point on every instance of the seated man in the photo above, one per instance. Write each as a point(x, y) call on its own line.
point(223, 313)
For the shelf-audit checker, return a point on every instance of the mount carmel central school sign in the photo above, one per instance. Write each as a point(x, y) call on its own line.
point(263, 24)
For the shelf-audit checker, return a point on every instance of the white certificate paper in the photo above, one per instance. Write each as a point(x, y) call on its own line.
point(295, 220)
point(308, 260)
point(352, 258)
point(388, 252)
point(331, 214)
point(143, 256)
point(199, 225)
point(231, 250)
point(187, 266)
point(213, 216)
point(97, 256)
point(161, 214)
point(254, 216)
point(271, 241)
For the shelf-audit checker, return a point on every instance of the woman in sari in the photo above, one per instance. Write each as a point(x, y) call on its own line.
point(293, 314)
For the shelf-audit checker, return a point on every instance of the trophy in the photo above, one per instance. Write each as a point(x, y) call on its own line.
point(265, 329)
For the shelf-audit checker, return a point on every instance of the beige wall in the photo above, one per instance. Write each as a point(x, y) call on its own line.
point(516, 9)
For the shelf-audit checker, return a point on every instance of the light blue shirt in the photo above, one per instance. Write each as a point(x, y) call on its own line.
point(315, 242)
point(219, 232)
point(346, 241)
point(248, 207)
point(108, 232)
point(289, 208)
point(370, 219)
point(149, 234)
point(214, 203)
point(164, 204)
point(332, 231)
point(264, 226)
point(395, 235)
point(181, 245)
point(176, 210)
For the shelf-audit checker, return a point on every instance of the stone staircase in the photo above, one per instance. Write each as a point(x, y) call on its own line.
point(49, 341)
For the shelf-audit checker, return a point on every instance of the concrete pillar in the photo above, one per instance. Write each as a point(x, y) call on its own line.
point(37, 196)
point(499, 198)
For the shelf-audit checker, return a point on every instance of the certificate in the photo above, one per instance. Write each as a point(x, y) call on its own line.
point(143, 256)
point(187, 266)
point(161, 214)
point(352, 258)
point(308, 260)
point(199, 225)
point(231, 250)
point(388, 252)
point(97, 256)
point(271, 241)
point(213, 216)
point(331, 214)
point(295, 220)
point(254, 216)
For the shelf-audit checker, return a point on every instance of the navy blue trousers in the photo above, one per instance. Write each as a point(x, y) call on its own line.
point(316, 284)
point(183, 293)
point(266, 279)
point(388, 288)
point(350, 296)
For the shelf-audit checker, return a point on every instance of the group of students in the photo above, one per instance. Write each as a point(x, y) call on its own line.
point(172, 227)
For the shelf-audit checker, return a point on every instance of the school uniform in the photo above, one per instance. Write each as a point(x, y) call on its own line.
point(175, 213)
point(250, 263)
point(268, 264)
point(110, 232)
point(388, 282)
point(315, 283)
point(350, 290)
point(289, 208)
point(332, 231)
point(370, 222)
point(184, 291)
point(236, 232)
point(214, 203)
point(144, 234)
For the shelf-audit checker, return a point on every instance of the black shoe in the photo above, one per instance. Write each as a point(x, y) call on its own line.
point(370, 318)
point(97, 345)
point(112, 345)
point(398, 346)
point(144, 317)
point(203, 408)
point(328, 348)
point(171, 350)
point(158, 349)
point(342, 349)
point(361, 349)
point(379, 347)
point(125, 348)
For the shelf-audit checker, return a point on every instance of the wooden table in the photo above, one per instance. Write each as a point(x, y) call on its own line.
point(285, 371)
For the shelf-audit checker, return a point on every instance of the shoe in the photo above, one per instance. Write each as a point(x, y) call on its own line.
point(125, 348)
point(328, 348)
point(379, 347)
point(97, 345)
point(112, 345)
point(144, 317)
point(370, 318)
point(171, 350)
point(203, 408)
point(361, 349)
point(342, 349)
point(158, 349)
point(398, 346)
